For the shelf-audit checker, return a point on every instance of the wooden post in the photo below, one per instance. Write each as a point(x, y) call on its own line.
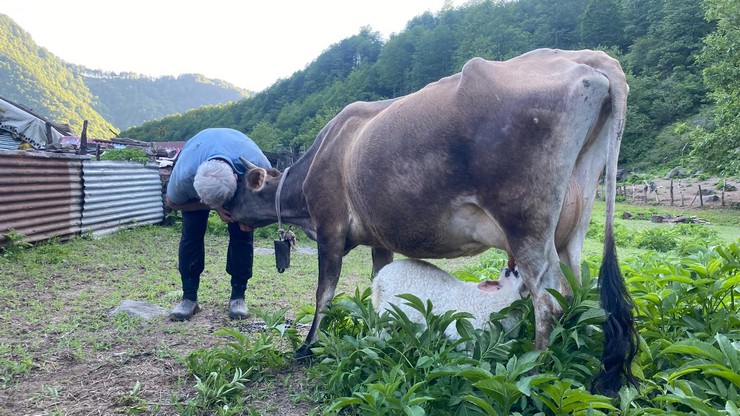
point(83, 140)
point(701, 198)
point(680, 191)
point(724, 185)
point(671, 191)
point(49, 140)
point(97, 152)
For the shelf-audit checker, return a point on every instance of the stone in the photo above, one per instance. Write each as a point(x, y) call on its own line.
point(143, 310)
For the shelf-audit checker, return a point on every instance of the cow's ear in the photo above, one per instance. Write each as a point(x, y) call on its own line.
point(256, 179)
point(273, 173)
point(489, 286)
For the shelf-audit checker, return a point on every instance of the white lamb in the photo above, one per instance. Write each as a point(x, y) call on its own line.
point(427, 282)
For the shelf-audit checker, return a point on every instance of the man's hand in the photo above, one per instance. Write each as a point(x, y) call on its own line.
point(225, 214)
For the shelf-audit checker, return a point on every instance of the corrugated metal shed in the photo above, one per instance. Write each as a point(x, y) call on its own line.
point(40, 195)
point(7, 142)
point(120, 195)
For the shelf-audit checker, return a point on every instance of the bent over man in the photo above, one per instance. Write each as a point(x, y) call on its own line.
point(205, 178)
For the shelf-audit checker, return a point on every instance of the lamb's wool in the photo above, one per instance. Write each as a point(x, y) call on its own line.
point(428, 282)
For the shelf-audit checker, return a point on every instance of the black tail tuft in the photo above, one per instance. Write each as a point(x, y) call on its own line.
point(620, 333)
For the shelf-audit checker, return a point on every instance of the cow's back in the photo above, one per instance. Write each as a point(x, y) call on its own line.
point(450, 169)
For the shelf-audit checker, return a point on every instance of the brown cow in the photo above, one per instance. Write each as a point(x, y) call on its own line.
point(479, 159)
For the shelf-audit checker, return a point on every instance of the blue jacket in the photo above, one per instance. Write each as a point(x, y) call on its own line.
point(215, 143)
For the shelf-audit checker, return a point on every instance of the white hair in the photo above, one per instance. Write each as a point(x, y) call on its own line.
point(215, 183)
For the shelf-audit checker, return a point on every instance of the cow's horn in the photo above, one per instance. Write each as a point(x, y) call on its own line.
point(249, 165)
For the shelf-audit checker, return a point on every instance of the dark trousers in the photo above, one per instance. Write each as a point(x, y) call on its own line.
point(192, 255)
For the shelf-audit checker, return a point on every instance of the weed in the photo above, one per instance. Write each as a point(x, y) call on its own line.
point(48, 392)
point(243, 358)
point(128, 154)
point(14, 360)
point(15, 246)
point(659, 239)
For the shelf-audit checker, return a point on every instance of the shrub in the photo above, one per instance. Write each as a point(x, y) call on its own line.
point(624, 236)
point(659, 239)
point(129, 154)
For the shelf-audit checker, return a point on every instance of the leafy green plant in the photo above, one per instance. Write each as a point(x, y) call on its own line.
point(16, 244)
point(386, 364)
point(659, 239)
point(216, 226)
point(222, 371)
point(218, 390)
point(576, 334)
point(624, 236)
point(564, 397)
point(132, 402)
point(686, 312)
point(723, 183)
point(128, 154)
point(14, 360)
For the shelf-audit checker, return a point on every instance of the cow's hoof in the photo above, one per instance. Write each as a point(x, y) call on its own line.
point(304, 352)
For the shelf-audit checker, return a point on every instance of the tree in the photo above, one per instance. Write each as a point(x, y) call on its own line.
point(601, 24)
point(266, 136)
point(718, 150)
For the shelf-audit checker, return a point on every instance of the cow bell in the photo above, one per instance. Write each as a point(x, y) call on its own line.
point(282, 254)
point(282, 249)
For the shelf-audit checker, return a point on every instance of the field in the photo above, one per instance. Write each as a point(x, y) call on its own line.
point(63, 353)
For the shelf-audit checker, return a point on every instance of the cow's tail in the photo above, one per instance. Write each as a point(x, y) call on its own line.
point(620, 333)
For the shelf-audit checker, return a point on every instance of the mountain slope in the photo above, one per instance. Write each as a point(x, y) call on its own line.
point(34, 77)
point(129, 99)
point(69, 93)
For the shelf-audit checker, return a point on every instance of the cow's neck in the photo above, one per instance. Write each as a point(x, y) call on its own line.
point(293, 208)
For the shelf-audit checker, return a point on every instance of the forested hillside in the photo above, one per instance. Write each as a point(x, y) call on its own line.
point(69, 93)
point(32, 76)
point(661, 44)
point(128, 99)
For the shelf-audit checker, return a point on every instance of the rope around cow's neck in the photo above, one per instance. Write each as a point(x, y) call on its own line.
point(277, 201)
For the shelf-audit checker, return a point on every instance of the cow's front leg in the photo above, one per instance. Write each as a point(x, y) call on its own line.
point(381, 258)
point(330, 266)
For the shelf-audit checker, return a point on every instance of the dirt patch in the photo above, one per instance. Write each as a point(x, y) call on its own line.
point(62, 353)
point(86, 381)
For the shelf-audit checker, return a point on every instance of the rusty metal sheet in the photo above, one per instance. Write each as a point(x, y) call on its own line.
point(40, 195)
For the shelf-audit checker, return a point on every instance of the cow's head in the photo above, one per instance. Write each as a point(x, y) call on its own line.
point(254, 201)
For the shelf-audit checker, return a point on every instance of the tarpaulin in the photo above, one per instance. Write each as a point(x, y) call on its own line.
point(27, 126)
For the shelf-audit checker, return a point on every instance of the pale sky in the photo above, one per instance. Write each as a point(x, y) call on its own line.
point(250, 44)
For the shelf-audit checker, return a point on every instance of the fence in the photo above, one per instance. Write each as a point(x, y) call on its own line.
point(47, 195)
point(675, 193)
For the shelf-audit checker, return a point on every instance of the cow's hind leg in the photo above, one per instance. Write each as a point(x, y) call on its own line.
point(539, 266)
point(381, 258)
